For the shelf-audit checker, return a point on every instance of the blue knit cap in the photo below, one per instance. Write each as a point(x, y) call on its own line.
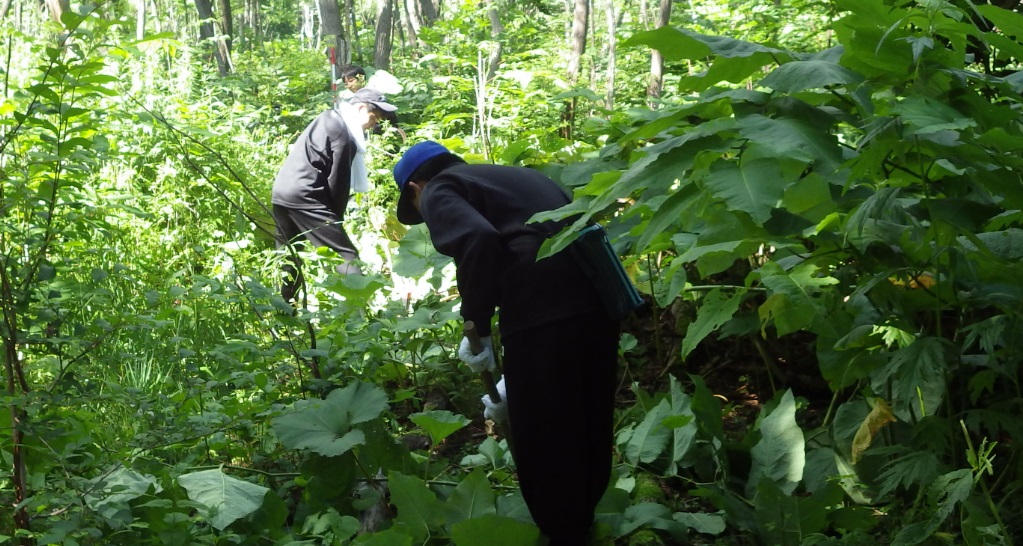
point(412, 159)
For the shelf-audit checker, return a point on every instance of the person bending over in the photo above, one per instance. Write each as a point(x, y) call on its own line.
point(312, 188)
point(560, 346)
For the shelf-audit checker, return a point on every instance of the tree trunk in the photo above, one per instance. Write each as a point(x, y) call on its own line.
point(253, 18)
point(612, 45)
point(385, 22)
point(140, 19)
point(415, 22)
point(580, 21)
point(353, 51)
point(655, 87)
point(227, 25)
point(428, 11)
point(57, 8)
point(208, 37)
point(332, 34)
point(308, 27)
point(496, 29)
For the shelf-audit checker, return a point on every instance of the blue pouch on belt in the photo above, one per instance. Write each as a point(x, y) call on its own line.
point(601, 264)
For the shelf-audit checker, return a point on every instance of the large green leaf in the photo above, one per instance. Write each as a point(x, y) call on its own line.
point(793, 303)
point(109, 494)
point(924, 115)
point(917, 376)
point(672, 43)
point(439, 424)
point(780, 455)
point(389, 537)
point(494, 530)
point(716, 308)
point(472, 498)
point(1006, 245)
point(1008, 22)
point(224, 498)
point(650, 437)
point(807, 140)
point(418, 508)
point(326, 426)
point(679, 43)
point(713, 258)
point(683, 424)
point(798, 76)
point(944, 494)
point(787, 519)
point(654, 516)
point(754, 187)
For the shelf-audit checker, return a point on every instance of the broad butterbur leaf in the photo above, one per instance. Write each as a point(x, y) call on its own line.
point(224, 498)
point(326, 426)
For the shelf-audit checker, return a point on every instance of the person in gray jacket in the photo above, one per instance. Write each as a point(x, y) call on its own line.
point(312, 188)
point(560, 346)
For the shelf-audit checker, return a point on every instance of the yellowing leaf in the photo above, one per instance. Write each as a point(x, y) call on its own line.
point(876, 419)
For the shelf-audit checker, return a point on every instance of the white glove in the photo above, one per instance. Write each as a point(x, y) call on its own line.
point(481, 362)
point(498, 411)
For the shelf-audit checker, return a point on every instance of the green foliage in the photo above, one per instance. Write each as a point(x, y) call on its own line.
point(861, 194)
point(833, 181)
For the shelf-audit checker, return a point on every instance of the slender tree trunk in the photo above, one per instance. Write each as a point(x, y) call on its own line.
point(308, 25)
point(227, 25)
point(385, 24)
point(140, 19)
point(254, 22)
point(415, 22)
point(17, 388)
point(333, 35)
point(496, 29)
point(656, 84)
point(208, 36)
point(5, 8)
point(580, 22)
point(353, 51)
point(612, 46)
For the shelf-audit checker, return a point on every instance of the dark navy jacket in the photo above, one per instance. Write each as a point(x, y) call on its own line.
point(477, 215)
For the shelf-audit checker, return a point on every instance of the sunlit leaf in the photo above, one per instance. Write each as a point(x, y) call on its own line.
point(439, 424)
point(326, 426)
point(780, 455)
point(224, 497)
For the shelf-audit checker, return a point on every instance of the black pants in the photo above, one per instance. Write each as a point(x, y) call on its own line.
point(561, 382)
point(321, 227)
